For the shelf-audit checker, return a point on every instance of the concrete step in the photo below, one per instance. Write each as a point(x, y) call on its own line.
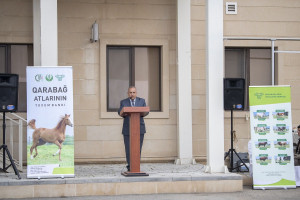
point(95, 180)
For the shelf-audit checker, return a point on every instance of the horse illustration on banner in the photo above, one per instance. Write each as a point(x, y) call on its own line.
point(55, 135)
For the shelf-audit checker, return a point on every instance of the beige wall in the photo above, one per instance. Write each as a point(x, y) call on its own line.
point(97, 134)
point(266, 19)
point(198, 26)
point(16, 24)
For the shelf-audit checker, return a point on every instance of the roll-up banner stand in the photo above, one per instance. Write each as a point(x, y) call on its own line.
point(271, 137)
point(50, 131)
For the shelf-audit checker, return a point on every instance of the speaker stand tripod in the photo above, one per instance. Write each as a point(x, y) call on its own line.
point(5, 150)
point(232, 150)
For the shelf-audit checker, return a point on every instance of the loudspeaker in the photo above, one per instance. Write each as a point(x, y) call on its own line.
point(234, 91)
point(9, 92)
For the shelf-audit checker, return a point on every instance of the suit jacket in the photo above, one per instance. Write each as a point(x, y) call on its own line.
point(139, 102)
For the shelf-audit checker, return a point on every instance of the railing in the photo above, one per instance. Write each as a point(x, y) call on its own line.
point(18, 121)
point(272, 48)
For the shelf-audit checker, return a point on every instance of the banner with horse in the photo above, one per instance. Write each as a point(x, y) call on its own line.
point(271, 137)
point(50, 132)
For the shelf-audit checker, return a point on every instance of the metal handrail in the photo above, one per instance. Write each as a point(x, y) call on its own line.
point(19, 117)
point(272, 48)
point(20, 124)
point(258, 38)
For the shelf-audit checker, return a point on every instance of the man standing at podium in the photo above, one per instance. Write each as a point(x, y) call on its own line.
point(132, 101)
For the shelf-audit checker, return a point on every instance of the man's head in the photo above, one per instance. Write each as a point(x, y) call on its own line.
point(298, 130)
point(132, 92)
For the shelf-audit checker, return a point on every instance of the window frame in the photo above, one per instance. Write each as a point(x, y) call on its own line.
point(8, 67)
point(107, 71)
point(132, 70)
point(7, 57)
point(246, 50)
point(164, 73)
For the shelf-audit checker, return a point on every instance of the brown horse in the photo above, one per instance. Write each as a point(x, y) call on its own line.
point(56, 135)
point(31, 124)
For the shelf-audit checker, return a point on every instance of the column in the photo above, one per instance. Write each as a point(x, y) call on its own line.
point(184, 91)
point(214, 87)
point(45, 32)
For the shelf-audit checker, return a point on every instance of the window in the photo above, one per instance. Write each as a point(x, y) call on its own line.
point(13, 59)
point(252, 64)
point(133, 65)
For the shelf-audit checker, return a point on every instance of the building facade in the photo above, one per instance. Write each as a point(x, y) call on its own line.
point(138, 44)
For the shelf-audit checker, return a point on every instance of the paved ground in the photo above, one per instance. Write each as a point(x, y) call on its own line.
point(102, 173)
point(109, 170)
point(165, 169)
point(114, 170)
point(247, 194)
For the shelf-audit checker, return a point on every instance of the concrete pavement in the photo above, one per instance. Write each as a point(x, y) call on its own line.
point(89, 172)
point(247, 194)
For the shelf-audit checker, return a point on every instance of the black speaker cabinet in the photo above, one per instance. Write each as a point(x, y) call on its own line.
point(9, 92)
point(234, 92)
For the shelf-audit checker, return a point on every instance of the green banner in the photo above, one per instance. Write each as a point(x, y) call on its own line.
point(271, 137)
point(269, 95)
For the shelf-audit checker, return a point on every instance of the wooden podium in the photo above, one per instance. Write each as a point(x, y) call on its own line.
point(134, 114)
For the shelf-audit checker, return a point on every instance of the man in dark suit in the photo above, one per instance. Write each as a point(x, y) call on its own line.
point(131, 101)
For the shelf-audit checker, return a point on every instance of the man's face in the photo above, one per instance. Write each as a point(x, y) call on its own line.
point(132, 93)
point(299, 131)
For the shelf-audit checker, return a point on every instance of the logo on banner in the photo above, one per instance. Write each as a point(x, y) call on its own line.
point(38, 77)
point(60, 77)
point(259, 95)
point(49, 77)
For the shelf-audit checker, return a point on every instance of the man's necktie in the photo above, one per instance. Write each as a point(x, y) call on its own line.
point(132, 102)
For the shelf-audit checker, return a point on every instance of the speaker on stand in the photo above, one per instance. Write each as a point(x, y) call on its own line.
point(8, 103)
point(234, 92)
